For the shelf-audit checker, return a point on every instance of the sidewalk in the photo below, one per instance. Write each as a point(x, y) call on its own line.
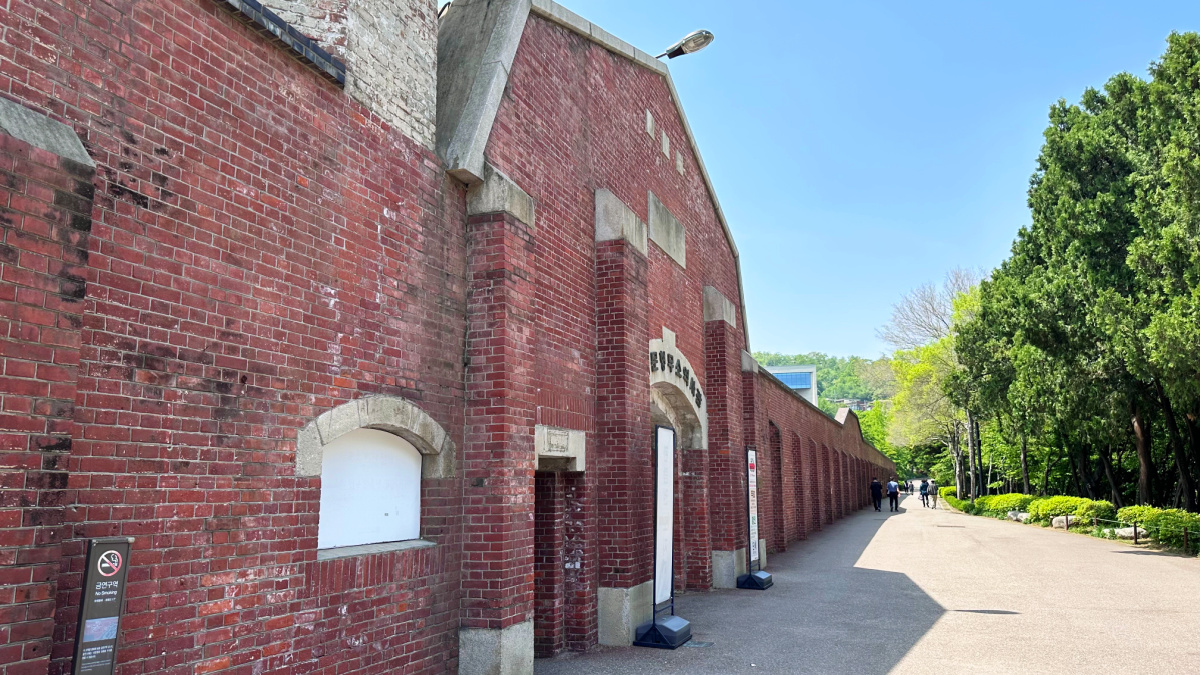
point(923, 590)
point(824, 615)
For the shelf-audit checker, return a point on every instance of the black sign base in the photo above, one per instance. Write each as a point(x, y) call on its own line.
point(756, 581)
point(665, 633)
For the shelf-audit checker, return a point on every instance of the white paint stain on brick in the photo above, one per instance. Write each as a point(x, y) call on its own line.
point(390, 51)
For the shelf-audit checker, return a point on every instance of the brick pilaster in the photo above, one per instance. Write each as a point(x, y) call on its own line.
point(45, 217)
point(727, 485)
point(625, 493)
point(501, 397)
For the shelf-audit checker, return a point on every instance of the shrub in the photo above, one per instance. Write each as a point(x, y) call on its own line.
point(1000, 505)
point(945, 492)
point(961, 505)
point(1098, 509)
point(1137, 514)
point(1165, 526)
point(1052, 507)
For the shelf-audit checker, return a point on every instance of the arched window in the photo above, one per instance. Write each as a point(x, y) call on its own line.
point(370, 490)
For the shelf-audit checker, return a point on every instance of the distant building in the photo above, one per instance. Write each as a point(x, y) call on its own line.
point(800, 379)
point(856, 404)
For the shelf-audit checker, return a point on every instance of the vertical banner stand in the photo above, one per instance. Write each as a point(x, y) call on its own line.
point(755, 578)
point(664, 630)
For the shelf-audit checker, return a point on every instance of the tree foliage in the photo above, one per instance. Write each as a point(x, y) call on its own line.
point(1086, 340)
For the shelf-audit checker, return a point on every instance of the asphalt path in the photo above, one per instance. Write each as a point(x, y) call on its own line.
point(924, 591)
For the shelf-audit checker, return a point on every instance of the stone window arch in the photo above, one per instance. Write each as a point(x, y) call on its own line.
point(387, 444)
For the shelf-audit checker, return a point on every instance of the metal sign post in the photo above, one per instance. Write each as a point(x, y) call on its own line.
point(755, 578)
point(670, 631)
point(103, 602)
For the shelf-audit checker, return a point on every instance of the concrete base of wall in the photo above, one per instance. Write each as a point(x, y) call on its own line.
point(727, 566)
point(622, 610)
point(505, 651)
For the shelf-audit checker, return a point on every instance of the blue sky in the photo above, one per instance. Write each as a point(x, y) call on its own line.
point(860, 149)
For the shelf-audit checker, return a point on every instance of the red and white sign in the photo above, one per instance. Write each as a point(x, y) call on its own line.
point(109, 563)
point(752, 476)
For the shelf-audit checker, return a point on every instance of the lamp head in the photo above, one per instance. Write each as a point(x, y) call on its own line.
point(693, 42)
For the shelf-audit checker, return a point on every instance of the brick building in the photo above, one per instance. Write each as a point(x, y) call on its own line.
point(359, 322)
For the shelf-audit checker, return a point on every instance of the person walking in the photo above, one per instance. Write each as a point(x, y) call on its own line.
point(933, 493)
point(925, 493)
point(877, 494)
point(893, 490)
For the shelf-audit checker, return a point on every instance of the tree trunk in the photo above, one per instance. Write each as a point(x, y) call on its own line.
point(1181, 462)
point(1025, 463)
point(981, 487)
point(971, 455)
point(987, 485)
point(1193, 432)
point(1050, 464)
point(1142, 441)
point(1084, 476)
point(956, 455)
point(1106, 459)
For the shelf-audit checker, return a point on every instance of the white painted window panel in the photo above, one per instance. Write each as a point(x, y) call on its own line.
point(664, 516)
point(370, 490)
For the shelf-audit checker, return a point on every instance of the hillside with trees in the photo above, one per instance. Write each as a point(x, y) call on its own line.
point(1074, 367)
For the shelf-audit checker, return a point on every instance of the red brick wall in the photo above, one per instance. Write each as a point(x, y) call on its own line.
point(840, 463)
point(561, 137)
point(498, 461)
point(263, 249)
point(45, 217)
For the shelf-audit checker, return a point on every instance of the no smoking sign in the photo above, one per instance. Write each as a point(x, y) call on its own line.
point(109, 563)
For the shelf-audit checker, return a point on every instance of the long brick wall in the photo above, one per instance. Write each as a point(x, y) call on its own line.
point(814, 469)
point(257, 246)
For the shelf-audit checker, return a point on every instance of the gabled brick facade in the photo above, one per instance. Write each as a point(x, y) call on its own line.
point(256, 247)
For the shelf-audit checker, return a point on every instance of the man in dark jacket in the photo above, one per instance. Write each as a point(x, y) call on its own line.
point(877, 494)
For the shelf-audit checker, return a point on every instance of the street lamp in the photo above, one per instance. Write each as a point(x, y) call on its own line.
point(693, 42)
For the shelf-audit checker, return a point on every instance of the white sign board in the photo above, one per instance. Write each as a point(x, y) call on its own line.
point(664, 516)
point(752, 475)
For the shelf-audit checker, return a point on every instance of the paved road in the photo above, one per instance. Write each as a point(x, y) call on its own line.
point(925, 591)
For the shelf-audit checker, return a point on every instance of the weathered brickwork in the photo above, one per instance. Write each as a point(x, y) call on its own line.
point(257, 246)
point(45, 218)
point(262, 248)
point(390, 50)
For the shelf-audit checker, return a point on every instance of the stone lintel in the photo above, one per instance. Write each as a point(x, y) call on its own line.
point(615, 220)
point(559, 449)
point(667, 231)
point(386, 413)
point(717, 307)
point(498, 193)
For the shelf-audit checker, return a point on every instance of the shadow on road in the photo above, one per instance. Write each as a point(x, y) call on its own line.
point(824, 615)
point(1169, 554)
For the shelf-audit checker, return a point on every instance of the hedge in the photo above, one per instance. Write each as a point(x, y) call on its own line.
point(964, 506)
point(1000, 505)
point(1098, 510)
point(1165, 526)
